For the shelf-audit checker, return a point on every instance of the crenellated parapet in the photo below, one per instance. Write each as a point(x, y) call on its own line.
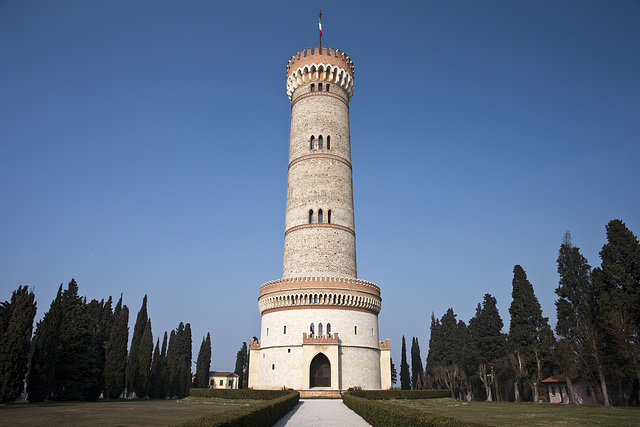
point(319, 292)
point(323, 65)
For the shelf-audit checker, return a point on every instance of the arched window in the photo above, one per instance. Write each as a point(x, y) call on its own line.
point(329, 217)
point(328, 328)
point(315, 299)
point(320, 142)
point(310, 216)
point(311, 330)
point(319, 329)
point(313, 142)
point(320, 216)
point(328, 142)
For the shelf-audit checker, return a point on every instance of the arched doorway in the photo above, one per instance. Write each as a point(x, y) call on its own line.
point(320, 372)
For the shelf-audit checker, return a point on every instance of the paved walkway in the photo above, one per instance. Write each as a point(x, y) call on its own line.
point(321, 412)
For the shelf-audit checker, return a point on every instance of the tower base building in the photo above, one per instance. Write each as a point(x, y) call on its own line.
point(319, 326)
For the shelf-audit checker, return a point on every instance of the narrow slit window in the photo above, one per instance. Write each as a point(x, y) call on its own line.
point(285, 329)
point(312, 142)
point(329, 216)
point(310, 216)
point(320, 216)
point(355, 330)
point(328, 143)
point(320, 142)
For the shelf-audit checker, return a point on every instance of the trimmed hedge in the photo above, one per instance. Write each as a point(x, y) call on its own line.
point(261, 414)
point(243, 393)
point(380, 413)
point(400, 394)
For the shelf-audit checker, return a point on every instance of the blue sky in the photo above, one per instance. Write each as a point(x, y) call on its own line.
point(144, 150)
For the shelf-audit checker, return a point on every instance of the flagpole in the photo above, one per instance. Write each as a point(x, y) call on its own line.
point(320, 28)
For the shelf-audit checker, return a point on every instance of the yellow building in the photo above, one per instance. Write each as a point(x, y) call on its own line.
point(223, 380)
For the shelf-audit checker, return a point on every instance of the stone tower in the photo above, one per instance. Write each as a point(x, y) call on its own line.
point(319, 322)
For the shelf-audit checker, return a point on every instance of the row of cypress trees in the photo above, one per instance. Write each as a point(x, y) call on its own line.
point(79, 351)
point(596, 335)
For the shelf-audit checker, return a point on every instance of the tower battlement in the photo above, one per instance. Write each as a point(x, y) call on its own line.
point(328, 55)
point(320, 64)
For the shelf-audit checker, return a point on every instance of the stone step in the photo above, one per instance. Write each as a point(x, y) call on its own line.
point(327, 394)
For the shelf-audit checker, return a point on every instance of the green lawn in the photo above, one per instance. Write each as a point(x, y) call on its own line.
point(527, 414)
point(113, 413)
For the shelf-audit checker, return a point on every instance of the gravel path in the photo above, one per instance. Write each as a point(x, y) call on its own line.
point(321, 412)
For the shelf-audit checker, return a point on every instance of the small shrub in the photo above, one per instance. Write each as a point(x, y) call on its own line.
point(380, 413)
point(400, 394)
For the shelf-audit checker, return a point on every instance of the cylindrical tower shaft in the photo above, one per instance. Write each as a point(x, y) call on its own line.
point(319, 225)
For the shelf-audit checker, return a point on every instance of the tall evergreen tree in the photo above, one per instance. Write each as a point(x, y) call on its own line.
point(141, 384)
point(576, 314)
point(241, 356)
point(185, 361)
point(172, 365)
point(487, 343)
point(179, 361)
point(133, 364)
point(116, 352)
point(16, 325)
point(527, 332)
point(617, 286)
point(445, 360)
point(394, 372)
point(76, 373)
point(164, 371)
point(156, 372)
point(100, 323)
point(416, 365)
point(203, 363)
point(42, 355)
point(405, 376)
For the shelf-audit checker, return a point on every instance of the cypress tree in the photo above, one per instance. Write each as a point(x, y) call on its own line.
point(116, 352)
point(133, 364)
point(405, 377)
point(203, 363)
point(156, 372)
point(617, 287)
point(172, 365)
point(164, 372)
point(527, 332)
point(185, 361)
point(577, 314)
point(16, 325)
point(394, 373)
point(434, 355)
point(76, 373)
point(487, 343)
point(416, 364)
point(141, 385)
point(100, 324)
point(241, 362)
point(42, 355)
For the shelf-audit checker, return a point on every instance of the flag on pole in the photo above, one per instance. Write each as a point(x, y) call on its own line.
point(320, 24)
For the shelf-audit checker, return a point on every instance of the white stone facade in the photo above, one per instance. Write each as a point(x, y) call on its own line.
point(319, 322)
